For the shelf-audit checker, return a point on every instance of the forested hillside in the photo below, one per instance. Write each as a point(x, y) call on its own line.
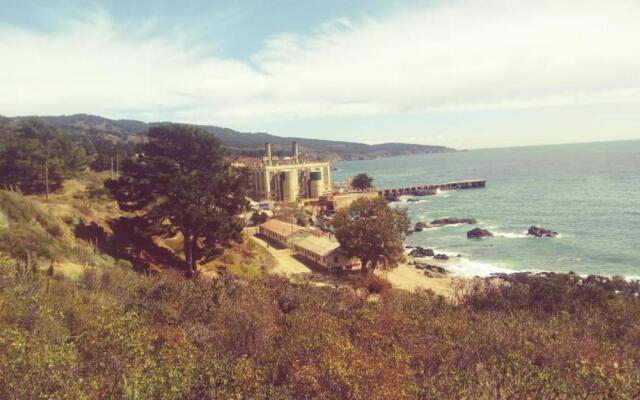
point(243, 143)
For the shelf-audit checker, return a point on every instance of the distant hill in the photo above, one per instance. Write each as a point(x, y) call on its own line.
point(244, 143)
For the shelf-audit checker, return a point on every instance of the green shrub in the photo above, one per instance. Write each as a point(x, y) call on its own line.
point(372, 283)
point(4, 222)
point(124, 264)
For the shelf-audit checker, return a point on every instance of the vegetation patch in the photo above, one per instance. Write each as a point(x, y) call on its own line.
point(124, 335)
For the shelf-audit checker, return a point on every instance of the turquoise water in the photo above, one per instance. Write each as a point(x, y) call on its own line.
point(589, 193)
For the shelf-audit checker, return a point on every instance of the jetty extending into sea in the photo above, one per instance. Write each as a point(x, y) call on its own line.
point(431, 189)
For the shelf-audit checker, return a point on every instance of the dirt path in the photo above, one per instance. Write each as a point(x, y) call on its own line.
point(286, 264)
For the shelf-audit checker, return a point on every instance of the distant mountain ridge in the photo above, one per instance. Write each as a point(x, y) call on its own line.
point(244, 143)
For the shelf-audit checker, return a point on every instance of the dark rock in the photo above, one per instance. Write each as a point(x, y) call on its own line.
point(421, 252)
point(419, 226)
point(538, 231)
point(452, 221)
point(478, 233)
point(441, 257)
point(431, 268)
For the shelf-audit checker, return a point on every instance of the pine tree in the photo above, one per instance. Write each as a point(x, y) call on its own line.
point(180, 183)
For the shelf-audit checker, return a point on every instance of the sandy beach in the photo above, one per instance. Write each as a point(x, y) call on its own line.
point(405, 276)
point(408, 277)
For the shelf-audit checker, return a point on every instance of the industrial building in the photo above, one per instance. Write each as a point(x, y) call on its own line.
point(289, 179)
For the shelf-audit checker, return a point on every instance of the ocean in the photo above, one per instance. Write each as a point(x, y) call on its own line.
point(589, 193)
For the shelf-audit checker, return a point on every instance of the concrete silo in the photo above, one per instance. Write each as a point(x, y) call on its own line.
point(315, 184)
point(290, 186)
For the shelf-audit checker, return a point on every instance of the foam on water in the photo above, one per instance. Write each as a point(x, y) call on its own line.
point(467, 268)
point(512, 235)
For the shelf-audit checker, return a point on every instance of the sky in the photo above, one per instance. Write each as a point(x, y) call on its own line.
point(460, 73)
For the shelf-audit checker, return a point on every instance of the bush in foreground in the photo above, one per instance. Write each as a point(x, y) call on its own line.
point(117, 334)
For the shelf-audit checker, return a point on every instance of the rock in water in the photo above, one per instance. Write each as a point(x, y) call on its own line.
point(478, 233)
point(420, 226)
point(441, 257)
point(421, 252)
point(538, 231)
point(453, 221)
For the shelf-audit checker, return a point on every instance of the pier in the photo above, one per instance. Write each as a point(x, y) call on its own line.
point(431, 189)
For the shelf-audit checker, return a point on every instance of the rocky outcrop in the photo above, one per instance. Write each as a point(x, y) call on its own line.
point(421, 252)
point(479, 233)
point(442, 257)
point(538, 231)
point(430, 268)
point(419, 226)
point(453, 221)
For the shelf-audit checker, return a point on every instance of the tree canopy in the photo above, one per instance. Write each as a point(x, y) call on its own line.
point(372, 231)
point(258, 218)
point(362, 181)
point(31, 151)
point(180, 183)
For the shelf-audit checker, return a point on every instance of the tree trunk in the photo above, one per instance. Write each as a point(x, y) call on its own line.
point(189, 243)
point(46, 176)
point(363, 269)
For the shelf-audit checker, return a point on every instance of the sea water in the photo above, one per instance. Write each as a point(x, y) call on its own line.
point(589, 193)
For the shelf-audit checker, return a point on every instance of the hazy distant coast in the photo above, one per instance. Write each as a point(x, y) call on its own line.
point(246, 144)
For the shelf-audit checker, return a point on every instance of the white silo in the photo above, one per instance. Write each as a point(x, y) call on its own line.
point(290, 186)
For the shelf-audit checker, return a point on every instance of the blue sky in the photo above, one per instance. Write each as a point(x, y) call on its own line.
point(463, 73)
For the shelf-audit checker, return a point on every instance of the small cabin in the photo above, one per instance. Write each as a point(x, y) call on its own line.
point(323, 251)
point(279, 231)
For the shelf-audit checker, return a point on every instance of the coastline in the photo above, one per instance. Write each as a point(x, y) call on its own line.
point(528, 186)
point(406, 275)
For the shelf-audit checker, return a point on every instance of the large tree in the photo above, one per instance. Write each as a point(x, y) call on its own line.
point(362, 181)
point(181, 184)
point(372, 231)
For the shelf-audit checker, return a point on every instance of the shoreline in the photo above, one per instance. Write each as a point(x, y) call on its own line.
point(492, 270)
point(406, 276)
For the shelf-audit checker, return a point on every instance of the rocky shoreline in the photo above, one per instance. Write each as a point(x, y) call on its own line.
point(436, 265)
point(432, 266)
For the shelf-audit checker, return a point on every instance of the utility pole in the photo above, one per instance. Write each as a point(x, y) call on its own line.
point(117, 158)
point(46, 173)
point(112, 174)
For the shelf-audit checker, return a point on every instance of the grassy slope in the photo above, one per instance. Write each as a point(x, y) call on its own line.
point(43, 233)
point(45, 230)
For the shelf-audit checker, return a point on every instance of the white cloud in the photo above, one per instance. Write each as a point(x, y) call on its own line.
point(453, 55)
